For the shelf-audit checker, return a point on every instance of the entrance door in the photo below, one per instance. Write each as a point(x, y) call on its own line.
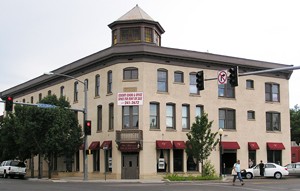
point(130, 166)
point(228, 159)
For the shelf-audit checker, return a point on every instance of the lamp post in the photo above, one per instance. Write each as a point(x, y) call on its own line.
point(85, 162)
point(220, 149)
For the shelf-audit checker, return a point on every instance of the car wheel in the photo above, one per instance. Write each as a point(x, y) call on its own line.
point(249, 175)
point(278, 175)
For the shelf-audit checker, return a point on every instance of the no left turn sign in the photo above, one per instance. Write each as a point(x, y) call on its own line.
point(222, 77)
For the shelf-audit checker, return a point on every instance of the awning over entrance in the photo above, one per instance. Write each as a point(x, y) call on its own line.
point(275, 146)
point(129, 147)
point(230, 145)
point(252, 146)
point(164, 145)
point(106, 144)
point(178, 144)
point(95, 145)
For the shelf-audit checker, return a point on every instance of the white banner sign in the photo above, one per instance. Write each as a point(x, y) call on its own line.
point(130, 98)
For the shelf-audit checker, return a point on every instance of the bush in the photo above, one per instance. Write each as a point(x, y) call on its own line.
point(208, 169)
point(176, 177)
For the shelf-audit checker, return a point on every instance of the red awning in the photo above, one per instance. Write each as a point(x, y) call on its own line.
point(164, 145)
point(106, 144)
point(275, 146)
point(230, 145)
point(95, 145)
point(179, 144)
point(252, 146)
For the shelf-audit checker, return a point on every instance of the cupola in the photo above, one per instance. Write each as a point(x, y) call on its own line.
point(136, 26)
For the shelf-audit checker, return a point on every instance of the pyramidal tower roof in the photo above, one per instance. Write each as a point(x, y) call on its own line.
point(135, 14)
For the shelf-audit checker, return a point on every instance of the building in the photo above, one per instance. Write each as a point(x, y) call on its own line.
point(142, 100)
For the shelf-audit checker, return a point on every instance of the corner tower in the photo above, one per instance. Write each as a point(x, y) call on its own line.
point(136, 26)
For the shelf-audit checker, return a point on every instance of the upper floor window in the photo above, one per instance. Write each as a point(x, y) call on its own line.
point(130, 73)
point(178, 77)
point(31, 99)
point(250, 115)
point(148, 35)
point(193, 84)
point(273, 121)
point(109, 81)
point(249, 84)
point(272, 92)
point(99, 118)
point(185, 117)
point(226, 90)
point(162, 80)
point(130, 117)
point(40, 97)
point(227, 118)
point(49, 92)
point(170, 116)
point(111, 116)
point(115, 37)
point(199, 110)
point(75, 91)
point(97, 85)
point(154, 115)
point(62, 91)
point(24, 100)
point(156, 39)
point(130, 35)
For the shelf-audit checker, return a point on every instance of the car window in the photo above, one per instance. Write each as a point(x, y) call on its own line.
point(270, 166)
point(297, 165)
point(21, 164)
point(289, 166)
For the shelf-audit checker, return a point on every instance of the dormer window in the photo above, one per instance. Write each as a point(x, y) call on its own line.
point(130, 35)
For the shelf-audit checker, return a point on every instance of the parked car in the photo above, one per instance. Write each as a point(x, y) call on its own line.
point(271, 170)
point(12, 168)
point(293, 168)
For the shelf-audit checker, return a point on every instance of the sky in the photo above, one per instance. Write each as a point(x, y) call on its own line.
point(38, 36)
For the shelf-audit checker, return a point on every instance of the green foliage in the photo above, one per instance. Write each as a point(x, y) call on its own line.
point(295, 123)
point(201, 140)
point(176, 177)
point(209, 169)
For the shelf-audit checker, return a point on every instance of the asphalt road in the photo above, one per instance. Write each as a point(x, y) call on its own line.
point(266, 184)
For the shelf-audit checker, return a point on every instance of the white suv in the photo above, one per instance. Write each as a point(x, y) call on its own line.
point(12, 168)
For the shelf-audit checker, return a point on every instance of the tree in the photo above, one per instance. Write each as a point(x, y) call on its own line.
point(201, 140)
point(295, 124)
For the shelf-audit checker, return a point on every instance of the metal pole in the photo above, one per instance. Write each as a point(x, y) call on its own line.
point(85, 161)
point(220, 148)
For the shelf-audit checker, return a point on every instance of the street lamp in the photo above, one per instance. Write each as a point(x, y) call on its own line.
point(220, 149)
point(85, 162)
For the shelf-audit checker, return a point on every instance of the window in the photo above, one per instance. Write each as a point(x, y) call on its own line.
point(31, 99)
point(75, 91)
point(185, 117)
point(154, 115)
point(249, 84)
point(115, 37)
point(156, 39)
point(251, 115)
point(193, 84)
point(191, 165)
point(109, 82)
point(40, 97)
point(130, 73)
point(62, 91)
point(130, 35)
point(162, 80)
point(226, 90)
point(148, 35)
point(273, 121)
point(97, 85)
point(199, 110)
point(227, 118)
point(130, 117)
point(178, 160)
point(273, 156)
point(163, 160)
point(178, 77)
point(99, 118)
point(24, 100)
point(86, 82)
point(111, 116)
point(272, 92)
point(96, 160)
point(170, 115)
point(49, 92)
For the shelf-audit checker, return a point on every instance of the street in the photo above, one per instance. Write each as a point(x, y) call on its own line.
point(266, 184)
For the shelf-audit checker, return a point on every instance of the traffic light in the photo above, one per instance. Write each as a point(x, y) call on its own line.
point(9, 103)
point(233, 76)
point(88, 127)
point(200, 80)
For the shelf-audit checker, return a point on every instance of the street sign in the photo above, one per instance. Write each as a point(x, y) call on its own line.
point(222, 77)
point(44, 105)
